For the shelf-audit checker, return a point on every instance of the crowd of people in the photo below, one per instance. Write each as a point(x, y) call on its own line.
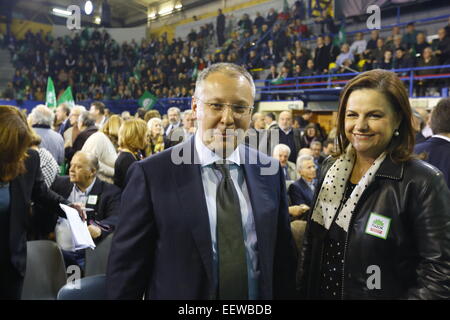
point(98, 68)
point(119, 170)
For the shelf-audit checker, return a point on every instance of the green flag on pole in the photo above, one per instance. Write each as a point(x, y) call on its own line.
point(67, 97)
point(147, 100)
point(50, 97)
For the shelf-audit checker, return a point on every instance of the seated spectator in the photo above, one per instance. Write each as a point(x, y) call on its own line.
point(316, 148)
point(402, 60)
point(253, 61)
point(420, 45)
point(359, 45)
point(82, 186)
point(270, 55)
point(394, 34)
point(298, 72)
point(132, 141)
point(437, 148)
point(259, 21)
point(410, 36)
point(301, 192)
point(155, 137)
point(372, 43)
point(282, 153)
point(427, 60)
point(378, 52)
point(310, 134)
point(443, 47)
point(387, 63)
point(104, 144)
point(301, 58)
point(345, 55)
point(41, 119)
point(310, 70)
point(395, 44)
point(183, 133)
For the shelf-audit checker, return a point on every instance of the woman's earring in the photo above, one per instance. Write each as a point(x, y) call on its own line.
point(396, 133)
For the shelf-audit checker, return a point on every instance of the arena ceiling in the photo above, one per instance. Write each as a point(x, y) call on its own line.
point(124, 13)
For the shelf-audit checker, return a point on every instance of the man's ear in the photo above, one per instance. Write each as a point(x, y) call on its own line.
point(194, 108)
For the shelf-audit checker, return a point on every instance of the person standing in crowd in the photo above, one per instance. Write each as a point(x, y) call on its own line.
point(328, 148)
point(71, 133)
point(97, 110)
point(257, 136)
point(220, 28)
point(437, 148)
point(316, 148)
point(218, 211)
point(377, 207)
point(132, 142)
point(21, 183)
point(41, 119)
point(48, 165)
point(289, 135)
point(174, 116)
point(184, 132)
point(155, 137)
point(103, 144)
point(301, 192)
point(86, 128)
point(281, 152)
point(62, 118)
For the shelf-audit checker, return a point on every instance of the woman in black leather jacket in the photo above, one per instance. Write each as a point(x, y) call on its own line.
point(380, 227)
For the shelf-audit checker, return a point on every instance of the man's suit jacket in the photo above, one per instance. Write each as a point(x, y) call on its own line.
point(438, 154)
point(106, 208)
point(300, 193)
point(163, 245)
point(24, 189)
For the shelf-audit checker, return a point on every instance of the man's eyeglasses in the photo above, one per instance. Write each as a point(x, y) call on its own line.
point(238, 110)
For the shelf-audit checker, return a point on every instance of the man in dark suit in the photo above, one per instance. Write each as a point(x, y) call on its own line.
point(437, 148)
point(62, 116)
point(192, 216)
point(102, 199)
point(301, 192)
point(288, 135)
point(220, 28)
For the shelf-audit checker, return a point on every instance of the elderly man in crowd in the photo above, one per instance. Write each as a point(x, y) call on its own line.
point(289, 135)
point(101, 199)
point(71, 133)
point(301, 192)
point(316, 148)
point(281, 152)
point(174, 116)
point(41, 119)
point(184, 132)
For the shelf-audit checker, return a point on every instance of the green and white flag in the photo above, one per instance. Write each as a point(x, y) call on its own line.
point(147, 100)
point(50, 97)
point(67, 97)
point(341, 37)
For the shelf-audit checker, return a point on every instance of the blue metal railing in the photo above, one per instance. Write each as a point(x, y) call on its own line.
point(296, 85)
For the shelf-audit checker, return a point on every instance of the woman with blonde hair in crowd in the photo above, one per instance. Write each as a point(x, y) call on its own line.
point(155, 136)
point(132, 142)
point(103, 144)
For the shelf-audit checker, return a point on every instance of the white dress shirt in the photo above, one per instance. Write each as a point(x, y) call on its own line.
point(211, 179)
